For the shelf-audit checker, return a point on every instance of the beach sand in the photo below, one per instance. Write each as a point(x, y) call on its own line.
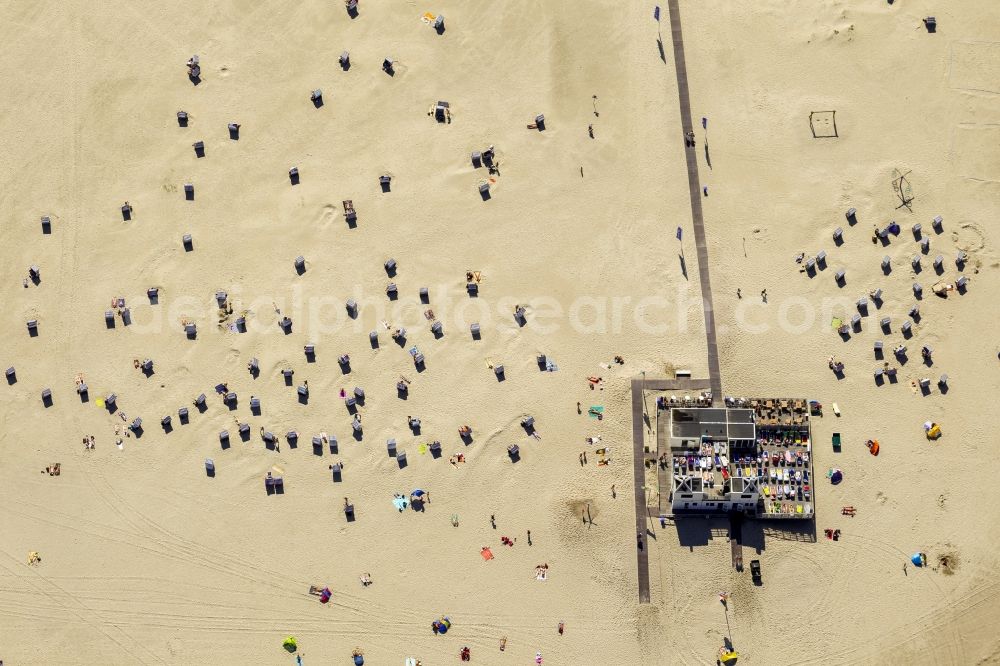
point(146, 559)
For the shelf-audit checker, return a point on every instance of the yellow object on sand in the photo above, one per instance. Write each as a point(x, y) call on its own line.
point(99, 402)
point(428, 17)
point(729, 657)
point(934, 432)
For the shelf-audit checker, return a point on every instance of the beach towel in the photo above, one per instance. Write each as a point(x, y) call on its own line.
point(399, 503)
point(422, 449)
point(487, 554)
point(595, 411)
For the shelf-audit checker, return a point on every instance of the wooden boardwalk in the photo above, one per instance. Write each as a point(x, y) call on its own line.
point(639, 386)
point(715, 376)
point(694, 187)
point(638, 461)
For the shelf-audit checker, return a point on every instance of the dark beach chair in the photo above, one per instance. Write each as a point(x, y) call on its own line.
point(390, 446)
point(209, 467)
point(390, 267)
point(199, 148)
point(189, 191)
point(47, 397)
point(477, 159)
point(317, 98)
point(234, 131)
point(109, 318)
point(187, 242)
point(472, 288)
point(46, 224)
point(475, 330)
point(191, 331)
point(345, 61)
point(182, 118)
point(293, 175)
point(352, 308)
point(442, 110)
point(437, 329)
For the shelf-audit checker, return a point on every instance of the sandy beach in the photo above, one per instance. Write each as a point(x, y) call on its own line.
point(144, 558)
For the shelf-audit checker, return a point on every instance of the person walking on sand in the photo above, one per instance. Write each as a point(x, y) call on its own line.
point(763, 295)
point(590, 131)
point(613, 493)
point(493, 520)
point(738, 294)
